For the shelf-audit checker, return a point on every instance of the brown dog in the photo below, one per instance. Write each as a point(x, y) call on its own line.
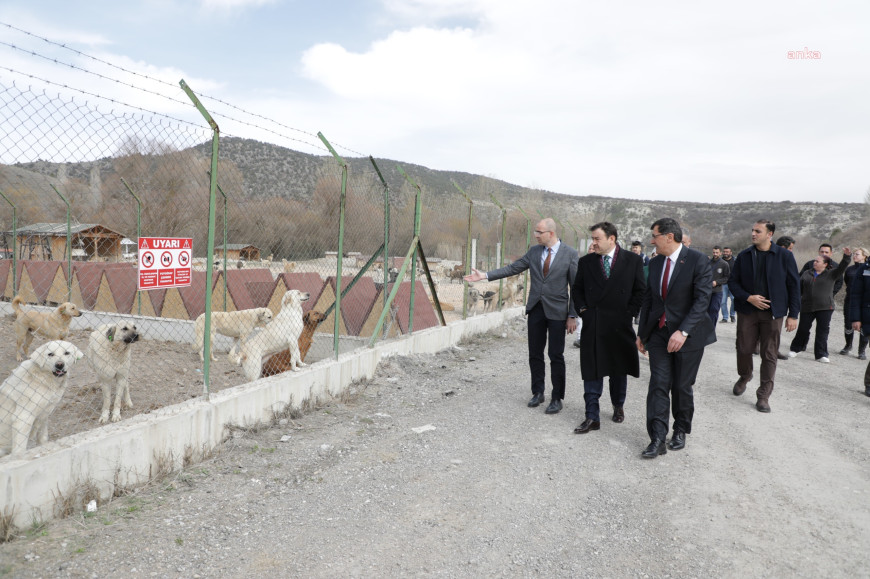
point(52, 325)
point(280, 362)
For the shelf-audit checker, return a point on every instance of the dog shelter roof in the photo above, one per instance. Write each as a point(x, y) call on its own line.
point(59, 230)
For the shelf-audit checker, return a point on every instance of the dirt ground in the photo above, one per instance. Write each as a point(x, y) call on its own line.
point(437, 467)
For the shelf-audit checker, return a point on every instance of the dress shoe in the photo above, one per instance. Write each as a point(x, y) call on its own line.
point(845, 351)
point(678, 441)
point(554, 407)
point(537, 400)
point(762, 405)
point(618, 414)
point(740, 386)
point(862, 356)
point(655, 448)
point(781, 356)
point(587, 425)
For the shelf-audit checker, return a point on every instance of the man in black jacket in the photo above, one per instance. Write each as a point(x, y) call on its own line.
point(766, 288)
point(721, 272)
point(607, 292)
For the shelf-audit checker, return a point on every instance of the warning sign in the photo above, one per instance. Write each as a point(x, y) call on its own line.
point(164, 262)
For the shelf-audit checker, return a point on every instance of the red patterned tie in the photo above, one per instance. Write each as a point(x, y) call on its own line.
point(547, 261)
point(665, 289)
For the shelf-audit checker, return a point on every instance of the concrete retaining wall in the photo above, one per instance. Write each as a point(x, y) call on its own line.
point(131, 452)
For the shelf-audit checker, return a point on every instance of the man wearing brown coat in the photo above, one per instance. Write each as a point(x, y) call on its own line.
point(607, 294)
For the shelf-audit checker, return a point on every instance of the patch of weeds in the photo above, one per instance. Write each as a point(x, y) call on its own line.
point(366, 420)
point(7, 526)
point(179, 541)
point(37, 525)
point(80, 550)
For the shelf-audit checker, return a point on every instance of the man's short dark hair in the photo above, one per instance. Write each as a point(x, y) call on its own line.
point(771, 226)
point(717, 247)
point(607, 227)
point(726, 247)
point(828, 245)
point(636, 243)
point(785, 241)
point(667, 225)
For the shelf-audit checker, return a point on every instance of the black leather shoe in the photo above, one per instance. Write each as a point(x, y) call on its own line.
point(678, 441)
point(618, 414)
point(537, 400)
point(554, 407)
point(845, 351)
point(587, 425)
point(655, 448)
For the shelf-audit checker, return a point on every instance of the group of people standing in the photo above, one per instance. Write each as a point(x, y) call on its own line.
point(675, 299)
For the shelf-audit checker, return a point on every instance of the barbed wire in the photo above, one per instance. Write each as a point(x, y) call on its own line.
point(163, 82)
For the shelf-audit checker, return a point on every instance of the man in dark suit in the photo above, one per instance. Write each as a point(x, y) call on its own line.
point(607, 293)
point(766, 288)
point(552, 266)
point(674, 328)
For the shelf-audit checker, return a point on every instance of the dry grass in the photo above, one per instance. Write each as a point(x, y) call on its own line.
point(7, 527)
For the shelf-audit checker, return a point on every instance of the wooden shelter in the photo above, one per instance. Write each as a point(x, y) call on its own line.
point(237, 251)
point(89, 242)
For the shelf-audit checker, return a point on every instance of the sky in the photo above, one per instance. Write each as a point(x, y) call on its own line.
point(668, 100)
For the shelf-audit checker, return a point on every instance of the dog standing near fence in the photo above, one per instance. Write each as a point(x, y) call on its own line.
point(282, 332)
point(281, 361)
point(53, 325)
point(109, 352)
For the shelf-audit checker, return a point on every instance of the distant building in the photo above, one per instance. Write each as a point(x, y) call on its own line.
point(236, 251)
point(88, 242)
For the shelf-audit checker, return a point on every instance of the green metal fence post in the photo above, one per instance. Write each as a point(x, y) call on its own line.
point(386, 230)
point(209, 270)
point(340, 257)
point(417, 210)
point(467, 251)
point(138, 235)
point(500, 258)
point(14, 239)
point(68, 246)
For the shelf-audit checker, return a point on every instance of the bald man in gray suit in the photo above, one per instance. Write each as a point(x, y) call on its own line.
point(552, 266)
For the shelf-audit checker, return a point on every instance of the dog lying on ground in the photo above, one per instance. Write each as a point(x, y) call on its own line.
point(238, 325)
point(32, 392)
point(282, 332)
point(109, 355)
point(53, 325)
point(281, 361)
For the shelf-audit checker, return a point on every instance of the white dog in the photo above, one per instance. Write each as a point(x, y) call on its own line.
point(109, 356)
point(238, 325)
point(32, 392)
point(282, 332)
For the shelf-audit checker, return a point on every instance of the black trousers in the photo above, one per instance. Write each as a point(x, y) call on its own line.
point(822, 318)
point(672, 376)
point(550, 334)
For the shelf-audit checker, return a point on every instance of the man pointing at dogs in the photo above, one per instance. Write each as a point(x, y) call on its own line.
point(552, 266)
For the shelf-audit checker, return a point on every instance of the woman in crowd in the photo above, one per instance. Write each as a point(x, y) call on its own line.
point(817, 305)
point(859, 256)
point(859, 310)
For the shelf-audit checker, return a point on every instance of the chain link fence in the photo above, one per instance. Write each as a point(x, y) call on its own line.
point(83, 187)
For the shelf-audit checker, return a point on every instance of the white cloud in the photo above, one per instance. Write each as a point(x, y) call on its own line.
point(233, 4)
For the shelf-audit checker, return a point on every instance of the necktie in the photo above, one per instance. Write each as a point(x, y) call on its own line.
point(547, 261)
point(665, 289)
point(606, 267)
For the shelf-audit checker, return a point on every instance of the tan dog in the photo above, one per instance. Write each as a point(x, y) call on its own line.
point(281, 361)
point(109, 356)
point(32, 392)
point(282, 332)
point(238, 325)
point(53, 325)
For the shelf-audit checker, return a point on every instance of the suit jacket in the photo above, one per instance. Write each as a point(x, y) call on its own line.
point(550, 291)
point(783, 282)
point(688, 298)
point(607, 307)
point(859, 298)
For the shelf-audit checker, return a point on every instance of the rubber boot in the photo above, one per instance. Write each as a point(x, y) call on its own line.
point(848, 347)
point(862, 347)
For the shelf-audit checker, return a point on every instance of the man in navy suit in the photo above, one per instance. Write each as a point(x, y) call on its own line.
point(552, 266)
point(674, 328)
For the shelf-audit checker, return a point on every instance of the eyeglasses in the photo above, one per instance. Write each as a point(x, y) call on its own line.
point(654, 235)
point(541, 232)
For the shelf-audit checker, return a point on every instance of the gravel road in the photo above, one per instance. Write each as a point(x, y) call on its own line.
point(489, 487)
